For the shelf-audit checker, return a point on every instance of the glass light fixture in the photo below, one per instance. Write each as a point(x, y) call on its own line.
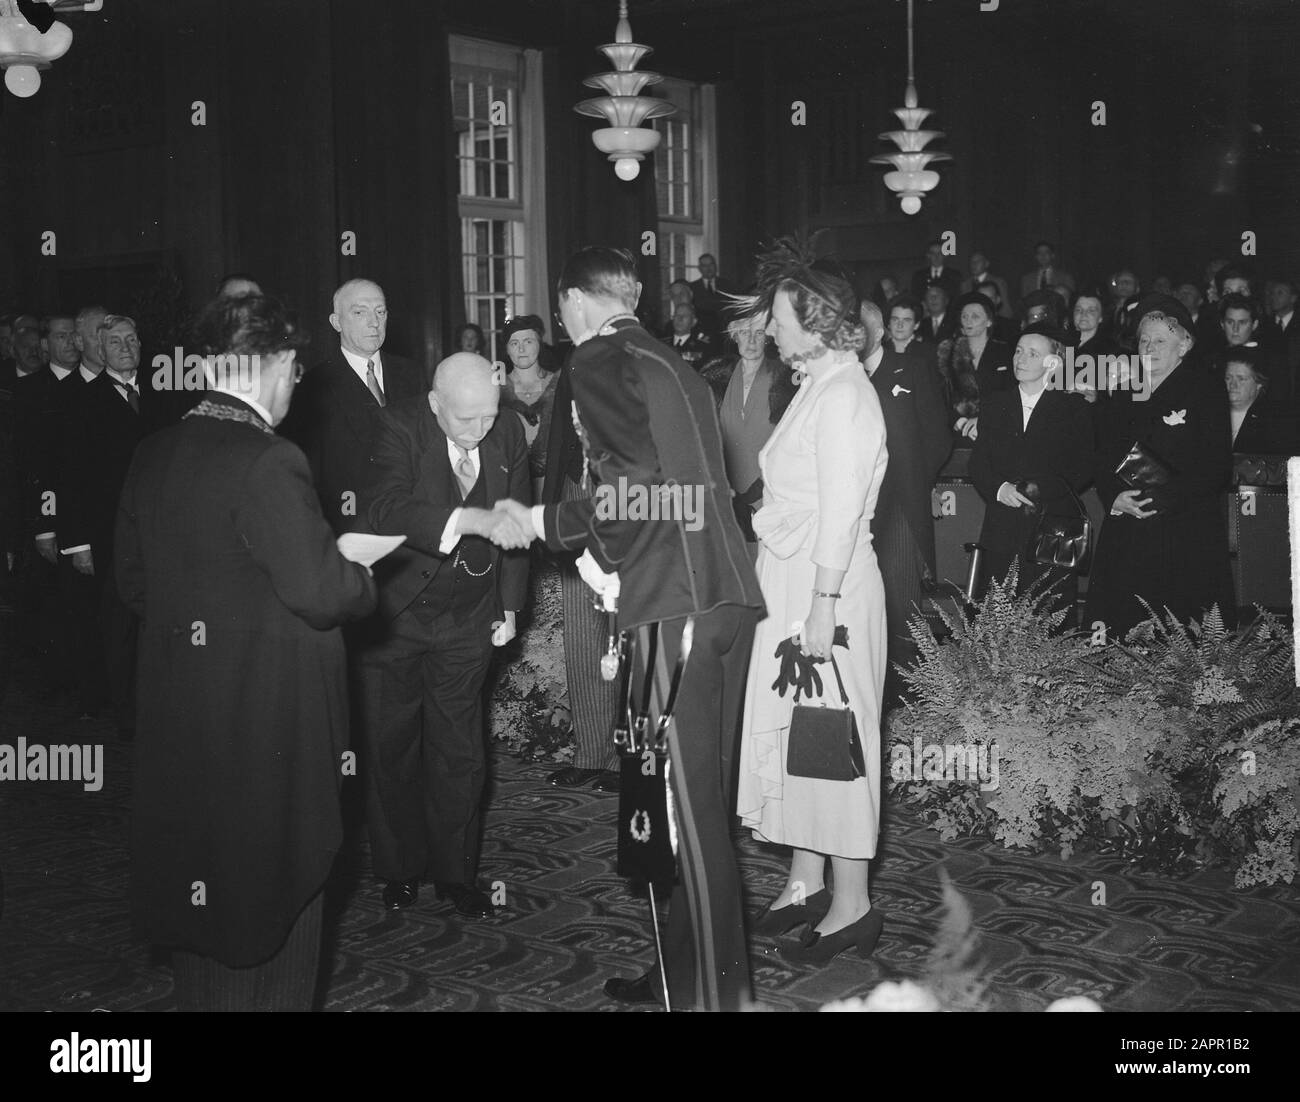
point(25, 51)
point(911, 177)
point(625, 140)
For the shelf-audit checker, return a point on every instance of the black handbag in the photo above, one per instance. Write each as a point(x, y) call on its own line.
point(1062, 541)
point(1141, 468)
point(823, 743)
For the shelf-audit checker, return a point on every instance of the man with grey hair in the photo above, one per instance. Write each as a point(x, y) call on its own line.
point(916, 428)
point(111, 416)
point(335, 414)
point(441, 462)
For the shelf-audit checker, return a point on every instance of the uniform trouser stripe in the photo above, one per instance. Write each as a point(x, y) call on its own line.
point(592, 700)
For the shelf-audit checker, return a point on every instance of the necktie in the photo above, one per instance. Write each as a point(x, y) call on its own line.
point(465, 471)
point(132, 398)
point(709, 284)
point(1042, 279)
point(372, 384)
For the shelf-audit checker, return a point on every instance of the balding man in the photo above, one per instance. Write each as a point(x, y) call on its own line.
point(440, 464)
point(335, 414)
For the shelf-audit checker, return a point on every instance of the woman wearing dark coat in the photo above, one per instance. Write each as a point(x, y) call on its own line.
point(1032, 456)
point(1259, 426)
point(223, 552)
point(973, 364)
point(1167, 544)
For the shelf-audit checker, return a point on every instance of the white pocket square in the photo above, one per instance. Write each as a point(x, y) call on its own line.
point(1177, 417)
point(900, 390)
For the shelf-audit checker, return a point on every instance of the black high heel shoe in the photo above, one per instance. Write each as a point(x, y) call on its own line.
point(821, 948)
point(774, 923)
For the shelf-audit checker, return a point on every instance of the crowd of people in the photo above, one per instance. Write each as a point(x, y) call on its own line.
point(209, 562)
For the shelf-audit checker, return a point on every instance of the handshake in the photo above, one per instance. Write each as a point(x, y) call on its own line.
point(509, 525)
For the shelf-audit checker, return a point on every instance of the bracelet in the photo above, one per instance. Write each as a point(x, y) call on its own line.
point(819, 593)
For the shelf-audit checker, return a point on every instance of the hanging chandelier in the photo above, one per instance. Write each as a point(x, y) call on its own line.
point(26, 49)
point(911, 177)
point(625, 140)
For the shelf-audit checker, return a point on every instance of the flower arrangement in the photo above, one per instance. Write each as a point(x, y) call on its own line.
point(530, 701)
point(1175, 749)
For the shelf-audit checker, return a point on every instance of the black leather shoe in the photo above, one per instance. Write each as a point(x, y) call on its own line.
point(468, 898)
point(642, 991)
point(774, 923)
point(822, 948)
point(572, 777)
point(608, 781)
point(400, 893)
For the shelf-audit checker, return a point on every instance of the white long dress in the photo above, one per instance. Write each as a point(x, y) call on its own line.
point(822, 469)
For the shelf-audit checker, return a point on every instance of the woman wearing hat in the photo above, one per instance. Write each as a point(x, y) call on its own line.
point(1166, 544)
point(822, 469)
point(973, 363)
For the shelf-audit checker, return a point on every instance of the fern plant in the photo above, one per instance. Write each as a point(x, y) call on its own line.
point(1133, 749)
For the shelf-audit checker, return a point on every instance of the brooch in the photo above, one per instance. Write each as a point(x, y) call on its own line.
point(900, 390)
point(1177, 417)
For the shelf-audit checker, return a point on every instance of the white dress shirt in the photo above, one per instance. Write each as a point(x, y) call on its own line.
point(60, 373)
point(1027, 405)
point(874, 360)
point(450, 537)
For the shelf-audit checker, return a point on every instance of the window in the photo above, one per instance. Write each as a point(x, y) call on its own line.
point(496, 98)
point(685, 181)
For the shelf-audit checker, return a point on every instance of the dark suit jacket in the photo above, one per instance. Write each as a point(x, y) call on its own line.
point(101, 434)
point(699, 347)
point(650, 421)
point(947, 329)
point(38, 441)
point(1284, 385)
point(916, 430)
point(1055, 451)
point(335, 420)
point(563, 448)
point(240, 731)
point(951, 280)
point(710, 304)
point(1029, 281)
point(414, 491)
point(1269, 428)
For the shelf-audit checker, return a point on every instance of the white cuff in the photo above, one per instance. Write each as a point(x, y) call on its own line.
point(44, 536)
point(538, 513)
point(450, 537)
point(74, 550)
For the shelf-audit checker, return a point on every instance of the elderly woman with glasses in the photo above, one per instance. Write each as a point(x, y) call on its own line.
point(1165, 539)
point(822, 469)
point(752, 389)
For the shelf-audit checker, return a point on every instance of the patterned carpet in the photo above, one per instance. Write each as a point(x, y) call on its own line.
point(569, 921)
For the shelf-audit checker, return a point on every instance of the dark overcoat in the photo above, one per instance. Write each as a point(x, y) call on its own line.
point(1178, 558)
point(223, 552)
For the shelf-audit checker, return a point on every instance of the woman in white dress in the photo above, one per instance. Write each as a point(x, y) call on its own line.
point(821, 469)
